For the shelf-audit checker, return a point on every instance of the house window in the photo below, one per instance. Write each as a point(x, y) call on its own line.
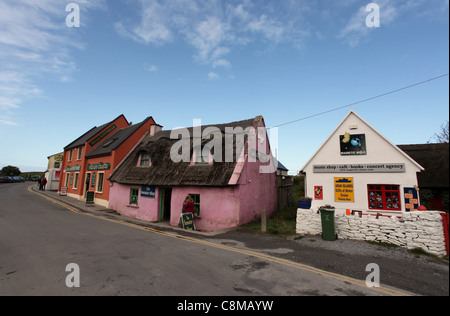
point(67, 179)
point(196, 198)
point(70, 155)
point(384, 197)
point(80, 152)
point(134, 195)
point(144, 159)
point(100, 178)
point(75, 184)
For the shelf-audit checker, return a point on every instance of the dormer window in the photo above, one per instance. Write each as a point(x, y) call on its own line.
point(144, 159)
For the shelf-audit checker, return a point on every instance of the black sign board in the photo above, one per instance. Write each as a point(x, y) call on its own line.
point(188, 221)
point(353, 144)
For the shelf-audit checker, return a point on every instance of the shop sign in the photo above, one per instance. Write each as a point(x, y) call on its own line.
point(63, 191)
point(188, 221)
point(148, 192)
point(102, 135)
point(361, 168)
point(344, 190)
point(93, 180)
point(100, 166)
point(352, 145)
point(73, 168)
point(58, 158)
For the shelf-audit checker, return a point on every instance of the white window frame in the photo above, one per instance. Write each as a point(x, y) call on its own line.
point(67, 179)
point(98, 182)
point(76, 179)
point(80, 153)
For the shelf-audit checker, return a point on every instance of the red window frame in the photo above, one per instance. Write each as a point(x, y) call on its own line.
point(384, 197)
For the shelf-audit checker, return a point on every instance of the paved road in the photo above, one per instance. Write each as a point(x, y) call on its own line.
point(39, 238)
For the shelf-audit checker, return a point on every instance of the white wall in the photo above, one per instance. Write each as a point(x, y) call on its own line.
point(379, 150)
point(422, 230)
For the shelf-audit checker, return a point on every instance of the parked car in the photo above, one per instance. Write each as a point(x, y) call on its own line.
point(19, 179)
point(3, 179)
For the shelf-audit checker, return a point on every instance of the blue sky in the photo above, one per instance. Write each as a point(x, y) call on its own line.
point(219, 61)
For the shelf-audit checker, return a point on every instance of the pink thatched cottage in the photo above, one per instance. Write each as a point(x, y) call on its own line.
point(226, 168)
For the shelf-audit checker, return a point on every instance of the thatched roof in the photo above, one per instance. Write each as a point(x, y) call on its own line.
point(434, 158)
point(164, 172)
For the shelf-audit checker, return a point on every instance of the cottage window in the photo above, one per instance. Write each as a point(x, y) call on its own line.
point(384, 197)
point(80, 151)
point(70, 155)
point(144, 159)
point(196, 198)
point(134, 196)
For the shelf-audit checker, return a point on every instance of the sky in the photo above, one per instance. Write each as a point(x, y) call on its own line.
point(219, 61)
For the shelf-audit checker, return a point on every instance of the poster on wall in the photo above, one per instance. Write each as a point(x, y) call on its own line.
point(318, 192)
point(411, 199)
point(344, 190)
point(353, 144)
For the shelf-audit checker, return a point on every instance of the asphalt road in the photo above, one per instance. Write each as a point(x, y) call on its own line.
point(39, 238)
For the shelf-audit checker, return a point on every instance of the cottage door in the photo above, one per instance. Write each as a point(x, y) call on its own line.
point(166, 200)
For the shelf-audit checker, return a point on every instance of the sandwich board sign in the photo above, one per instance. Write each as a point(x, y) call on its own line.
point(188, 221)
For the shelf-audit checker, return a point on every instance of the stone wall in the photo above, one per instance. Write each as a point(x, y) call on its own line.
point(413, 230)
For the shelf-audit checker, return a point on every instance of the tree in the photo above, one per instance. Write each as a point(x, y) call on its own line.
point(442, 135)
point(10, 171)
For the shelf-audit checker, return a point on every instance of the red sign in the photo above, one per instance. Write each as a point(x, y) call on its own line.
point(63, 191)
point(318, 193)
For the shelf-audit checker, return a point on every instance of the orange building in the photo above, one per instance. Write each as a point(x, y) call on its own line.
point(89, 160)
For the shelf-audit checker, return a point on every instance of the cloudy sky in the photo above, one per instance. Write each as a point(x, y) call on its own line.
point(218, 61)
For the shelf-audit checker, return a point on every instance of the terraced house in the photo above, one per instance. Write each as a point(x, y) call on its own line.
point(89, 160)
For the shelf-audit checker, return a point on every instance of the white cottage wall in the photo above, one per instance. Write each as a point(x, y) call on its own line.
point(379, 150)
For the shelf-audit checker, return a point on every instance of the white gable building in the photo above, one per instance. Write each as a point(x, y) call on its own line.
point(359, 169)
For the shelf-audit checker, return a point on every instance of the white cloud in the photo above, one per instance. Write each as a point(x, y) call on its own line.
point(213, 76)
point(215, 27)
point(356, 29)
point(151, 68)
point(34, 41)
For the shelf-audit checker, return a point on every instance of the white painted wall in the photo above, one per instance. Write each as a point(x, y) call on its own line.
point(422, 230)
point(379, 150)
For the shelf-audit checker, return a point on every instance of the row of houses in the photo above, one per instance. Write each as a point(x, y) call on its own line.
point(146, 172)
point(131, 169)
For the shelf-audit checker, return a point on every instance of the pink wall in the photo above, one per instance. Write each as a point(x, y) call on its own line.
point(219, 207)
point(119, 200)
point(258, 190)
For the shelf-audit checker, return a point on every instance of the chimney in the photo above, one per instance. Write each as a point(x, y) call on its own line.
point(155, 129)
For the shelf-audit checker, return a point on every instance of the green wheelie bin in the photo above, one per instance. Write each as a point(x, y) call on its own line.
point(328, 228)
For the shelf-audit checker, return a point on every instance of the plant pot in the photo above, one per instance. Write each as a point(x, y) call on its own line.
point(304, 204)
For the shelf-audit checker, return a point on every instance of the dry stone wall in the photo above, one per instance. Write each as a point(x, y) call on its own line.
point(422, 230)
